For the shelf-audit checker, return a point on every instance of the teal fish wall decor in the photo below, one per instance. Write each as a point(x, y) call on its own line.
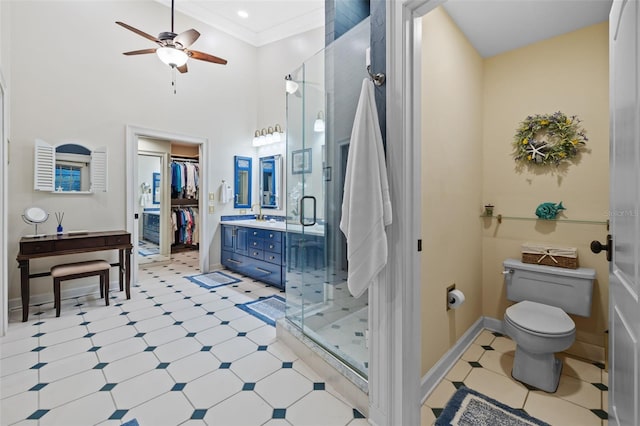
point(549, 210)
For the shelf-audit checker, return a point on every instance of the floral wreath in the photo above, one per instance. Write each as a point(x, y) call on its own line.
point(544, 139)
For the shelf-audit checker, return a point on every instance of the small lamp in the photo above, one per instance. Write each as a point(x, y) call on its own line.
point(256, 138)
point(318, 125)
point(290, 86)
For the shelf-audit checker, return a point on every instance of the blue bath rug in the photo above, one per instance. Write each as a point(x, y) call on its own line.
point(470, 408)
point(145, 249)
point(132, 422)
point(270, 309)
point(213, 279)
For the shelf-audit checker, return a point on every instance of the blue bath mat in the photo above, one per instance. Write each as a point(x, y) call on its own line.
point(470, 408)
point(270, 309)
point(213, 279)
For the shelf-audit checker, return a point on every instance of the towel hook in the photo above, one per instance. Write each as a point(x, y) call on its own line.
point(378, 79)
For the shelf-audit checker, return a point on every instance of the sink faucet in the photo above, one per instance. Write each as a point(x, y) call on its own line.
point(259, 216)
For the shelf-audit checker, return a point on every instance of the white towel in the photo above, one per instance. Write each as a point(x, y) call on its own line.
point(226, 193)
point(366, 206)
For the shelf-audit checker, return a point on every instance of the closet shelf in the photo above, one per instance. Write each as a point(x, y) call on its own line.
point(500, 218)
point(189, 202)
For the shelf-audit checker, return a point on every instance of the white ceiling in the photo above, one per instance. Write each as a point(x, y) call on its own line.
point(492, 26)
point(496, 26)
point(268, 21)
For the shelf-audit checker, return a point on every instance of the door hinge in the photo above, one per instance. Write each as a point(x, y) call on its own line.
point(419, 245)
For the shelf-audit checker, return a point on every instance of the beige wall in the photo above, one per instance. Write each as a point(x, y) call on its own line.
point(471, 108)
point(451, 183)
point(567, 73)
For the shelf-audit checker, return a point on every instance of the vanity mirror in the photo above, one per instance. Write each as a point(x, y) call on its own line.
point(69, 168)
point(270, 181)
point(242, 180)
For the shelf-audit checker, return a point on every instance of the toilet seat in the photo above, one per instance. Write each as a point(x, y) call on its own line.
point(540, 319)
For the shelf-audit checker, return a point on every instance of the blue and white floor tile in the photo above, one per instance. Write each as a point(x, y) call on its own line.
point(174, 354)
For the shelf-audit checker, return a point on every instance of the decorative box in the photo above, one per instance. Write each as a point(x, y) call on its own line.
point(562, 257)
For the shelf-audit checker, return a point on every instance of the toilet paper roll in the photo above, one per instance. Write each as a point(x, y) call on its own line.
point(456, 298)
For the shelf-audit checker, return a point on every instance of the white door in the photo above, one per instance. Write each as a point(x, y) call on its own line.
point(624, 284)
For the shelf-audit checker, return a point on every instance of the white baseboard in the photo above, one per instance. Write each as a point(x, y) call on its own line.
point(68, 293)
point(448, 360)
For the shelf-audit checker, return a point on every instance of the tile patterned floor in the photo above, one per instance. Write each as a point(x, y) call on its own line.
point(581, 398)
point(151, 253)
point(174, 354)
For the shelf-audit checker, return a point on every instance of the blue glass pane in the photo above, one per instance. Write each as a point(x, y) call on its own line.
point(67, 178)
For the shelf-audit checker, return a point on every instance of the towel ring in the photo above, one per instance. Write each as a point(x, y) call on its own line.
point(378, 79)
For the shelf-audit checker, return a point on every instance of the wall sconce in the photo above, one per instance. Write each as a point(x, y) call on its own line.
point(290, 86)
point(268, 136)
point(318, 125)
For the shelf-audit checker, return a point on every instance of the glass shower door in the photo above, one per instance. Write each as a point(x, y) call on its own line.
point(320, 116)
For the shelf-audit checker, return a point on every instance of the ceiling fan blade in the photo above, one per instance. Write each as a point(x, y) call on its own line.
point(140, 52)
point(182, 68)
point(187, 38)
point(137, 31)
point(206, 57)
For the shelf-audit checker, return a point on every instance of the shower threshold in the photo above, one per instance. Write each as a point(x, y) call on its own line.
point(343, 378)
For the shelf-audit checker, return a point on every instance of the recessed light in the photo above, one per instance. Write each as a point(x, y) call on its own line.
point(243, 14)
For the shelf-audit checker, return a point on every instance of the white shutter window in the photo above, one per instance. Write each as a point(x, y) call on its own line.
point(99, 170)
point(44, 166)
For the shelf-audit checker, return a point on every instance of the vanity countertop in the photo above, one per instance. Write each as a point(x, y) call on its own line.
point(276, 226)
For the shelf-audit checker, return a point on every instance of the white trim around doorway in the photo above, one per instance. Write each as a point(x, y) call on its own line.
point(132, 135)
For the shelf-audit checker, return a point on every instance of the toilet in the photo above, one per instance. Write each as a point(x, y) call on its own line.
point(538, 323)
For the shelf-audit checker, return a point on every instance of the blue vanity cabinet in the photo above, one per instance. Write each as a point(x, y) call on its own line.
point(254, 252)
point(234, 238)
point(151, 227)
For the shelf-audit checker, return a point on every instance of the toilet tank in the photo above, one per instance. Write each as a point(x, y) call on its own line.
point(568, 289)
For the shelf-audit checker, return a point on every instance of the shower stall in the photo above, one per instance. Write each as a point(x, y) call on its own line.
point(320, 114)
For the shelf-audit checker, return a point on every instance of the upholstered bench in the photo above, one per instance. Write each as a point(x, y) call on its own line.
point(71, 271)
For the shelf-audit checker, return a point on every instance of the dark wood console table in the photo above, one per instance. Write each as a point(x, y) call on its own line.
point(58, 245)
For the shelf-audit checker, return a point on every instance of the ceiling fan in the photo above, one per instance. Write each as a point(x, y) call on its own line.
point(173, 47)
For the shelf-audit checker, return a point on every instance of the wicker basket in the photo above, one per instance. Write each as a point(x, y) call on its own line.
point(561, 257)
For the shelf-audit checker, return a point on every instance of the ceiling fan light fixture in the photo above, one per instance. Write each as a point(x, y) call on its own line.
point(172, 56)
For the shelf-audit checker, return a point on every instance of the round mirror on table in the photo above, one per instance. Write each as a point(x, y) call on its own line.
point(34, 216)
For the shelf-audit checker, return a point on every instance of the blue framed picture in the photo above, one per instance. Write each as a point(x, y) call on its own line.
point(301, 161)
point(156, 188)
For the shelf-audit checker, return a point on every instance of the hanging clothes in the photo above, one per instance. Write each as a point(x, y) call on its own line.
point(184, 179)
point(184, 222)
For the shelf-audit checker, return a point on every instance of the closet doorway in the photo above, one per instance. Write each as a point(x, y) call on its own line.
point(163, 206)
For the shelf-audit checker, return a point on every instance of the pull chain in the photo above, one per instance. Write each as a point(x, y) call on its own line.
point(173, 79)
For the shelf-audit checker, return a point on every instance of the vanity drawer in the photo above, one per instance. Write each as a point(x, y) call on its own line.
point(256, 243)
point(256, 233)
point(118, 239)
point(267, 272)
point(256, 253)
point(234, 261)
point(36, 247)
point(273, 257)
point(80, 243)
point(273, 246)
point(275, 236)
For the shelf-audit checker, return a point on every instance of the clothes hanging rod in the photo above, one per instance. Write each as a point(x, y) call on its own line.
point(378, 79)
point(185, 159)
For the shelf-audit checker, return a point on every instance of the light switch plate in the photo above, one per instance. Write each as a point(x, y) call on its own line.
point(211, 209)
point(211, 195)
